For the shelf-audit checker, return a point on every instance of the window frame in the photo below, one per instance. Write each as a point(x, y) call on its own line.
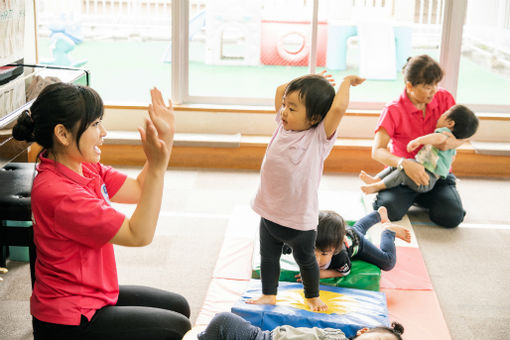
point(454, 14)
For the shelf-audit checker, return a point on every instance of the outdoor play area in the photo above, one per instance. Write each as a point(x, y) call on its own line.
point(246, 49)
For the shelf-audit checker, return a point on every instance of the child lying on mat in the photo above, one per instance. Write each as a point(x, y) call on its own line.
point(337, 243)
point(229, 326)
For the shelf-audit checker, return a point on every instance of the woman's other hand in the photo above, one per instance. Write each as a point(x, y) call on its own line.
point(416, 172)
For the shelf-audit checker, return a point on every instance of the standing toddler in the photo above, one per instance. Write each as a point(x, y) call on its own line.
point(308, 114)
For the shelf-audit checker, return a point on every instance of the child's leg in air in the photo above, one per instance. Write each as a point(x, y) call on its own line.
point(369, 220)
point(303, 245)
point(270, 252)
point(385, 257)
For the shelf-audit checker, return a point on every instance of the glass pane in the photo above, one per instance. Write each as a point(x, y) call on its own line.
point(124, 43)
point(246, 48)
point(484, 75)
point(374, 39)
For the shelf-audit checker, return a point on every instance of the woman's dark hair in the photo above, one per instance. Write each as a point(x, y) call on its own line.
point(466, 122)
point(396, 329)
point(330, 231)
point(316, 93)
point(422, 69)
point(73, 106)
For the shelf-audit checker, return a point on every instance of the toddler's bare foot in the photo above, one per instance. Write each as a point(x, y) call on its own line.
point(373, 188)
point(263, 300)
point(383, 213)
point(316, 304)
point(400, 232)
point(367, 179)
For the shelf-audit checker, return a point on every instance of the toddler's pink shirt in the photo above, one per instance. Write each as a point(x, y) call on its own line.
point(74, 223)
point(288, 193)
point(404, 122)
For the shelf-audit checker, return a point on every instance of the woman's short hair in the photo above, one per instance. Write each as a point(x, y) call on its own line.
point(422, 69)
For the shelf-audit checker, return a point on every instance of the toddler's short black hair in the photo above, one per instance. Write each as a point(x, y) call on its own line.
point(466, 122)
point(316, 93)
point(330, 231)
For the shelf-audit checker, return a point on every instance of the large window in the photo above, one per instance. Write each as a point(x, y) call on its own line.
point(237, 52)
point(125, 44)
point(484, 75)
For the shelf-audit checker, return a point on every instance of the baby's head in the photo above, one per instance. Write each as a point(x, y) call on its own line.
point(381, 333)
point(306, 102)
point(330, 236)
point(460, 120)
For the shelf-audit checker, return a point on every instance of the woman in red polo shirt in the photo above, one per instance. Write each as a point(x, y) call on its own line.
point(413, 114)
point(76, 293)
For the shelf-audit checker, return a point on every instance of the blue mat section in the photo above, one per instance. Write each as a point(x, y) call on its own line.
point(366, 309)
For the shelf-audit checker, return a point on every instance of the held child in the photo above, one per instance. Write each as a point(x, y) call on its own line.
point(337, 243)
point(459, 121)
point(308, 114)
point(76, 293)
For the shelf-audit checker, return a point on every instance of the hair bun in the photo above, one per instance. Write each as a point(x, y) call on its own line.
point(24, 128)
point(397, 327)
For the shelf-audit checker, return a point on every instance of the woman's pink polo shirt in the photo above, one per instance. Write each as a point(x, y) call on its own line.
point(404, 122)
point(75, 269)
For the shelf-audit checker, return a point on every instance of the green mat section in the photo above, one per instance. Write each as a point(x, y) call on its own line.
point(363, 275)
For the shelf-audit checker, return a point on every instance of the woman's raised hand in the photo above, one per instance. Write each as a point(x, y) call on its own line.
point(156, 150)
point(162, 117)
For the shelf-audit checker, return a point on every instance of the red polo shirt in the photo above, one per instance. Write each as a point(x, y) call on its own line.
point(73, 224)
point(404, 122)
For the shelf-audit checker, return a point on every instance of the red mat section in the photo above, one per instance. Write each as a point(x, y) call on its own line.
point(409, 273)
point(419, 312)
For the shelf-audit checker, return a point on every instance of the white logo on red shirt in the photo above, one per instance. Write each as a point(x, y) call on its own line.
point(104, 192)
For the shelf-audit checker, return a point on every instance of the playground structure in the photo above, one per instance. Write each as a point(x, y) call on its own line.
point(61, 46)
point(233, 32)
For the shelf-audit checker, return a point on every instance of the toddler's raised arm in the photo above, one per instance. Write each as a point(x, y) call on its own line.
point(340, 104)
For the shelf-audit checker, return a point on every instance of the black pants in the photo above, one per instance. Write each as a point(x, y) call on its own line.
point(443, 202)
point(272, 238)
point(140, 313)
